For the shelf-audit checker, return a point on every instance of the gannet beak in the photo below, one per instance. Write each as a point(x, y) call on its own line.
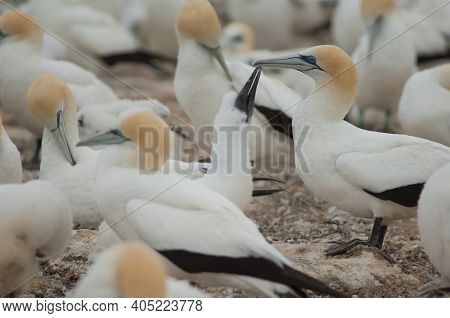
point(302, 63)
point(245, 100)
point(374, 30)
point(112, 137)
point(61, 135)
point(217, 53)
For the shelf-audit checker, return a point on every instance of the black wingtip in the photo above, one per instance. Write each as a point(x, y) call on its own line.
point(268, 179)
point(139, 56)
point(263, 193)
point(299, 281)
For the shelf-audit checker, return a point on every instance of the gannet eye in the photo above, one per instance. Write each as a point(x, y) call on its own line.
point(311, 60)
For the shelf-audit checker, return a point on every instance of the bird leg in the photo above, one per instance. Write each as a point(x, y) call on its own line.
point(361, 113)
point(436, 288)
point(387, 121)
point(376, 239)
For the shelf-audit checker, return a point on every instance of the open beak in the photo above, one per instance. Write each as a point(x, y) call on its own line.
point(112, 137)
point(374, 31)
point(245, 100)
point(296, 62)
point(60, 133)
point(217, 53)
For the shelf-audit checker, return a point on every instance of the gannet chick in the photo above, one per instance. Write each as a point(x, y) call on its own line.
point(200, 83)
point(22, 62)
point(36, 222)
point(202, 235)
point(383, 74)
point(132, 270)
point(10, 162)
point(69, 168)
point(434, 222)
point(369, 174)
point(424, 109)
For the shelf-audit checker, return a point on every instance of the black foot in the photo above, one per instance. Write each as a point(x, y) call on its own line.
point(376, 240)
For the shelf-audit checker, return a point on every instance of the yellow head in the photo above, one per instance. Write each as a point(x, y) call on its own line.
point(140, 272)
point(370, 9)
point(19, 24)
point(47, 96)
point(198, 20)
point(151, 134)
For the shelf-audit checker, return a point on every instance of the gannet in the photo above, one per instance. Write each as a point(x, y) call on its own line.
point(369, 174)
point(347, 25)
point(434, 222)
point(93, 32)
point(132, 270)
point(202, 235)
point(384, 73)
point(200, 83)
point(424, 109)
point(10, 162)
point(69, 168)
point(21, 62)
point(35, 222)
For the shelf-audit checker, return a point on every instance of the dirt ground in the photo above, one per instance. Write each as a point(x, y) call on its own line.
point(297, 223)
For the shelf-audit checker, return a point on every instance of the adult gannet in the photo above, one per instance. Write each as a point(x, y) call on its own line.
point(200, 83)
point(35, 222)
point(202, 235)
point(10, 162)
point(21, 62)
point(131, 270)
point(369, 174)
point(384, 73)
point(424, 109)
point(434, 222)
point(71, 169)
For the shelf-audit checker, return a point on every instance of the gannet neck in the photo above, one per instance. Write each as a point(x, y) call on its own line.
point(442, 74)
point(192, 57)
point(140, 272)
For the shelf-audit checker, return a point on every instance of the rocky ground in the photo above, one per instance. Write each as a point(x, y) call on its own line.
point(297, 223)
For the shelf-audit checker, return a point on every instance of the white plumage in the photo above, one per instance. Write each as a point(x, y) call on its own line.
point(424, 109)
point(434, 222)
point(200, 83)
point(71, 169)
point(10, 162)
point(35, 221)
point(368, 174)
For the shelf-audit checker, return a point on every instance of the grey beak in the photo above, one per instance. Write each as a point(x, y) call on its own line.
point(112, 137)
point(217, 53)
point(61, 134)
point(245, 100)
point(296, 62)
point(374, 30)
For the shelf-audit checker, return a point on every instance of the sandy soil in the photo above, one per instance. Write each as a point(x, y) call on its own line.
point(297, 223)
